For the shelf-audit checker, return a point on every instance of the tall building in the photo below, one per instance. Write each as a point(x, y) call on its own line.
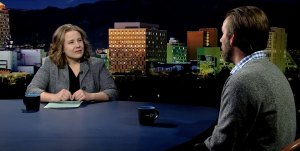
point(276, 48)
point(176, 52)
point(194, 41)
point(135, 45)
point(4, 26)
point(205, 37)
point(210, 37)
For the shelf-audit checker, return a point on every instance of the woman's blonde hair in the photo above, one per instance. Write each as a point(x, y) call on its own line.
point(56, 48)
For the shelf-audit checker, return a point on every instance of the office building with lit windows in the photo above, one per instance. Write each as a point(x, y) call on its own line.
point(176, 52)
point(276, 48)
point(205, 37)
point(4, 26)
point(210, 37)
point(135, 46)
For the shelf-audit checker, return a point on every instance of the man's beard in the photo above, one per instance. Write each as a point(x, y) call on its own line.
point(226, 51)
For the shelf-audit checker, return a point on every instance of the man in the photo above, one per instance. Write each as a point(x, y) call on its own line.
point(257, 110)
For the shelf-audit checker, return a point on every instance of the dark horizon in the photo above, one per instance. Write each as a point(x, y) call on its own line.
point(63, 4)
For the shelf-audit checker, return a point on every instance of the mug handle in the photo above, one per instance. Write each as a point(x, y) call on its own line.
point(157, 114)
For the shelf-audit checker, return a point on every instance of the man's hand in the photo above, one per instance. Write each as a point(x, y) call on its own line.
point(62, 95)
point(81, 95)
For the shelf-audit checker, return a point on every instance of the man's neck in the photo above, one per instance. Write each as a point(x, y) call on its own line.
point(238, 55)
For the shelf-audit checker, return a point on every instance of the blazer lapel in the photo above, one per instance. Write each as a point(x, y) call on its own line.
point(84, 68)
point(65, 72)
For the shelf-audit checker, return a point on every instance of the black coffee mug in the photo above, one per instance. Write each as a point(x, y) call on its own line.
point(32, 102)
point(147, 115)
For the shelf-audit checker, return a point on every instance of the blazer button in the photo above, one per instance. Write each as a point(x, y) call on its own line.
point(84, 88)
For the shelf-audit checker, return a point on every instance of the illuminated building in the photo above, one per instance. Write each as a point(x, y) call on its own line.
point(209, 57)
point(4, 26)
point(276, 48)
point(135, 46)
point(210, 37)
point(176, 52)
point(290, 62)
point(205, 37)
point(102, 54)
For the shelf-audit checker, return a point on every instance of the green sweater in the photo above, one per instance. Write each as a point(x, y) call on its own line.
point(257, 110)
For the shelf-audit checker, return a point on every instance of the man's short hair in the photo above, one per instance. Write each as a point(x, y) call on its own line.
point(250, 26)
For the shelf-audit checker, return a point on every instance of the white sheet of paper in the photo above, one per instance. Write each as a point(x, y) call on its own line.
point(63, 104)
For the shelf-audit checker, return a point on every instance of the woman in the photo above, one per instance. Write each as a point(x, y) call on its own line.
point(69, 73)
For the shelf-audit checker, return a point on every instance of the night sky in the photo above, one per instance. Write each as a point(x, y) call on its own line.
point(288, 24)
point(42, 4)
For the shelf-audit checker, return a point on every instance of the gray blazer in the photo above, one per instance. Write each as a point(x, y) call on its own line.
point(94, 77)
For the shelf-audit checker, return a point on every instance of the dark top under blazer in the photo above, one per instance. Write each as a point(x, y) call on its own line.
point(74, 81)
point(94, 77)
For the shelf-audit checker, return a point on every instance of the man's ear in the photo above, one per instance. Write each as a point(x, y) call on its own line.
point(232, 40)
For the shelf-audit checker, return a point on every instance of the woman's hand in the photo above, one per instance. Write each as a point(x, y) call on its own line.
point(81, 95)
point(62, 95)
